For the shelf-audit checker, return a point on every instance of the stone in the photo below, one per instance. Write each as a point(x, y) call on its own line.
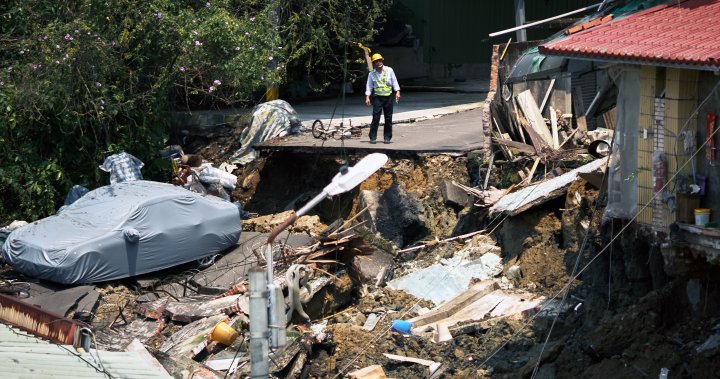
point(400, 217)
point(454, 196)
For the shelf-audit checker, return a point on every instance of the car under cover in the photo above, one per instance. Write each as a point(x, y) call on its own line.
point(123, 230)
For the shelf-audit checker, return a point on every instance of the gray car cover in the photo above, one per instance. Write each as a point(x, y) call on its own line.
point(122, 230)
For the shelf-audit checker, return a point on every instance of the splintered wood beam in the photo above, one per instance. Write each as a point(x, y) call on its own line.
point(547, 95)
point(554, 127)
point(527, 104)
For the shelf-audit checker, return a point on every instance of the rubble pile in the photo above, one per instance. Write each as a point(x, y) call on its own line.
point(425, 274)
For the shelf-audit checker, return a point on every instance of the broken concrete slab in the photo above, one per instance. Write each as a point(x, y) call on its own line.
point(444, 280)
point(194, 308)
point(454, 196)
point(499, 303)
point(373, 265)
point(452, 306)
point(530, 196)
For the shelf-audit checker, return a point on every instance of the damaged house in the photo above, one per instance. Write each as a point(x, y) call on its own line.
point(664, 171)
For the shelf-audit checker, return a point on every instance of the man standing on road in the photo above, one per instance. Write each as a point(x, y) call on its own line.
point(380, 85)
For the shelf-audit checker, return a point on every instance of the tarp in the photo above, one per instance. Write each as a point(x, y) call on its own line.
point(269, 120)
point(122, 230)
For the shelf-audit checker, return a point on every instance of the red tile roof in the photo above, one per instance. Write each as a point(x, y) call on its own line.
point(683, 33)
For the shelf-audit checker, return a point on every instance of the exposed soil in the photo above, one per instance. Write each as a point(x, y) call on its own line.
point(625, 316)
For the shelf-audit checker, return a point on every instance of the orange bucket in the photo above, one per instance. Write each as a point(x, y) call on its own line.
point(223, 333)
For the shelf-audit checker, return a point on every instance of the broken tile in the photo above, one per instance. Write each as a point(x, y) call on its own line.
point(154, 309)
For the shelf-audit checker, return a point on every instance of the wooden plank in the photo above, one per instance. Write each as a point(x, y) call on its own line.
point(554, 129)
point(530, 196)
point(489, 169)
point(532, 170)
point(609, 118)
point(522, 147)
point(532, 113)
point(579, 108)
point(517, 120)
point(508, 154)
point(451, 306)
point(547, 95)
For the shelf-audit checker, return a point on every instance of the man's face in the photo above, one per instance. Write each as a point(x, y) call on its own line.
point(378, 63)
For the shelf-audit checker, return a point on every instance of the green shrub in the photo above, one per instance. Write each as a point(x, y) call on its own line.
point(83, 79)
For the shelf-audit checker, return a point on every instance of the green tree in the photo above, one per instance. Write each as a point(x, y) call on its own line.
point(82, 79)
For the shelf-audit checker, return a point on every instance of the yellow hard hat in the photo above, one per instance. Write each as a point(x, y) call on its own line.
point(376, 57)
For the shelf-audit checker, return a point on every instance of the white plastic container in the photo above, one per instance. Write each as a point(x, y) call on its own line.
point(702, 216)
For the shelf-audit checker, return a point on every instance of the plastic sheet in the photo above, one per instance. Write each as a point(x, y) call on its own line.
point(123, 230)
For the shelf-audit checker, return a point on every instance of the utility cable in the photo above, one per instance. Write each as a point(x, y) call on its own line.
point(630, 222)
point(429, 285)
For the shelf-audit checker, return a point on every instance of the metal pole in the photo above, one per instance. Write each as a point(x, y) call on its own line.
point(520, 35)
point(525, 26)
point(259, 350)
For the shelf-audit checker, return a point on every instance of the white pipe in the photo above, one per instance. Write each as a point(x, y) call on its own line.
point(543, 21)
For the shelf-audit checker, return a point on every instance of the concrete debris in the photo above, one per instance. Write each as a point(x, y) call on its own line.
point(370, 372)
point(455, 304)
point(498, 303)
point(528, 197)
point(454, 196)
point(442, 281)
point(371, 322)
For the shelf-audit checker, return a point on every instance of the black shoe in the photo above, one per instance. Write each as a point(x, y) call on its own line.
point(387, 141)
point(372, 141)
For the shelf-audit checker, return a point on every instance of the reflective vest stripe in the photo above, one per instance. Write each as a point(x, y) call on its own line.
point(382, 88)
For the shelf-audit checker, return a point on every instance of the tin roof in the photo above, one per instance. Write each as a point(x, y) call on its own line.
point(679, 33)
point(26, 356)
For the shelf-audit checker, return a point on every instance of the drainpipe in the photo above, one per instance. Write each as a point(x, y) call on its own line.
point(520, 35)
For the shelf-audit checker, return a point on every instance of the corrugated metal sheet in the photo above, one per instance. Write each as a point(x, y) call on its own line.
point(26, 356)
point(678, 33)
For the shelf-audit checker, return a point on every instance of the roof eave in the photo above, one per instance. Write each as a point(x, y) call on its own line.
point(686, 66)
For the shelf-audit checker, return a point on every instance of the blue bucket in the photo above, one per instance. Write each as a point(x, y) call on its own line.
point(402, 326)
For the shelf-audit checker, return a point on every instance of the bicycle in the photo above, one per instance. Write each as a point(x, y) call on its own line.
point(336, 132)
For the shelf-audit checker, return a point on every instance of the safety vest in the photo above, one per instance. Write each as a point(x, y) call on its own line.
point(382, 88)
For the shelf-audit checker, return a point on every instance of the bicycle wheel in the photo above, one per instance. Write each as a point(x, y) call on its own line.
point(318, 130)
point(340, 134)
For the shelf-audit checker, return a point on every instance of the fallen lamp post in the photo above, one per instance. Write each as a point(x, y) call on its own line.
point(272, 314)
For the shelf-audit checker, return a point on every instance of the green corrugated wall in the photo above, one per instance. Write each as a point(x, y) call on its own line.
point(456, 31)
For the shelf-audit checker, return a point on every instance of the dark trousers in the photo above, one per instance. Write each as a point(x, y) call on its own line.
point(381, 104)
